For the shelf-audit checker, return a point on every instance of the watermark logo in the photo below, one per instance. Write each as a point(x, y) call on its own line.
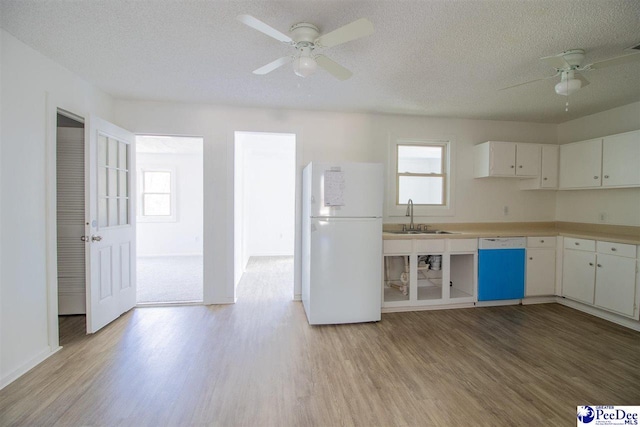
point(586, 414)
point(589, 416)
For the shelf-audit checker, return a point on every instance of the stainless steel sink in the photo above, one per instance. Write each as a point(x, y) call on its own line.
point(422, 232)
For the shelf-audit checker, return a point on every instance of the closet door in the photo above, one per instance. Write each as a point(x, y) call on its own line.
point(70, 210)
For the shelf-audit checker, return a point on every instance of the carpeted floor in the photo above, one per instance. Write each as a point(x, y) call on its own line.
point(179, 279)
point(169, 279)
point(269, 277)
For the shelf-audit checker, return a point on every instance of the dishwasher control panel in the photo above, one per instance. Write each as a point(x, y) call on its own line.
point(502, 243)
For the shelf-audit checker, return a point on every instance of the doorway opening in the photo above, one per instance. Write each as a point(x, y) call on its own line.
point(169, 218)
point(264, 214)
point(70, 225)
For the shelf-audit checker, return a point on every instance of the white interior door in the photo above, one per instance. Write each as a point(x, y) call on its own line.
point(111, 284)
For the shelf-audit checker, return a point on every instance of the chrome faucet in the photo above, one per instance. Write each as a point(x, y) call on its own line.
point(410, 213)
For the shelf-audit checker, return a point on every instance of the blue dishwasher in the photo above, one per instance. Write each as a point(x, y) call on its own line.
point(501, 268)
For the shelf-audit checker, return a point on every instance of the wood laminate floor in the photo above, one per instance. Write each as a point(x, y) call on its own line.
point(258, 363)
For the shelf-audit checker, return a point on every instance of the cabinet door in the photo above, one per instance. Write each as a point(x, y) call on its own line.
point(578, 277)
point(502, 158)
point(549, 173)
point(541, 272)
point(621, 160)
point(616, 283)
point(580, 164)
point(527, 160)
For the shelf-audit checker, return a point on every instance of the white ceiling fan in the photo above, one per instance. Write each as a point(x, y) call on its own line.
point(568, 66)
point(308, 42)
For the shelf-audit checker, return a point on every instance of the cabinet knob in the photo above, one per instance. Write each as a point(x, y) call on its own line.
point(520, 166)
point(606, 176)
point(530, 258)
point(541, 241)
point(595, 177)
point(613, 249)
point(512, 166)
point(576, 243)
point(599, 265)
point(544, 179)
point(591, 264)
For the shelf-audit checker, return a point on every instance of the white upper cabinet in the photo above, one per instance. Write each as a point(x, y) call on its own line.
point(548, 178)
point(527, 159)
point(581, 164)
point(506, 159)
point(550, 158)
point(612, 161)
point(621, 160)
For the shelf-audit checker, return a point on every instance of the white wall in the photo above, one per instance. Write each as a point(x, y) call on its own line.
point(326, 136)
point(621, 206)
point(269, 194)
point(184, 235)
point(32, 88)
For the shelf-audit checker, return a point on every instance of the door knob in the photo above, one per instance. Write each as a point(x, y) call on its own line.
point(96, 238)
point(84, 238)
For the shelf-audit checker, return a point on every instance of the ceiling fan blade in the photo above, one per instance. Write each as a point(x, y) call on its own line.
point(613, 61)
point(582, 79)
point(273, 65)
point(263, 28)
point(360, 28)
point(556, 61)
point(531, 81)
point(335, 69)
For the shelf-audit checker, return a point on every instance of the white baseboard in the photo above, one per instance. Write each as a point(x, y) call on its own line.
point(539, 300)
point(226, 300)
point(402, 309)
point(168, 304)
point(297, 297)
point(27, 366)
point(594, 311)
point(498, 303)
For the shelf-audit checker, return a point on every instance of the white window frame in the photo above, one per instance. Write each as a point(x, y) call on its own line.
point(172, 195)
point(397, 208)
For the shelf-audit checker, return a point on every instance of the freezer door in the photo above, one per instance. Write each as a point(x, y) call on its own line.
point(345, 271)
point(346, 189)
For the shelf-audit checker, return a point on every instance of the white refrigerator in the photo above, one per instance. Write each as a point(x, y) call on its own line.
point(342, 242)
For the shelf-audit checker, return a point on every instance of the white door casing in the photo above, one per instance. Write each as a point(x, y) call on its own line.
point(110, 210)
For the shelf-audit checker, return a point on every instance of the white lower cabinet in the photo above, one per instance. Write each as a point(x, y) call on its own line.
point(616, 283)
point(603, 274)
point(424, 272)
point(541, 266)
point(579, 275)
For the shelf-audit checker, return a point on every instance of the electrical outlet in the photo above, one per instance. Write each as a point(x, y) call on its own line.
point(602, 217)
point(505, 210)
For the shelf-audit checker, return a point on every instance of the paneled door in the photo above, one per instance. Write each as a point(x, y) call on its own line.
point(111, 284)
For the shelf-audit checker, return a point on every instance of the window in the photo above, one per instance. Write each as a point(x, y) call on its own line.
point(113, 182)
point(421, 173)
point(157, 195)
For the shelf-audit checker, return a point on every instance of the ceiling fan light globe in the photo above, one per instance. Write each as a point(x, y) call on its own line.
point(568, 87)
point(304, 66)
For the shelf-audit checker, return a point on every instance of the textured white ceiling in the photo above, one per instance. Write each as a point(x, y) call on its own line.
point(435, 58)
